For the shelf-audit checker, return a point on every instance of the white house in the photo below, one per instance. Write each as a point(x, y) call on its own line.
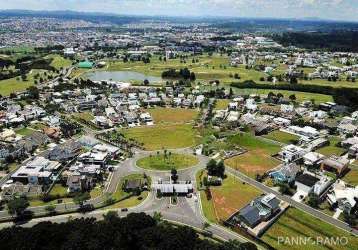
point(292, 153)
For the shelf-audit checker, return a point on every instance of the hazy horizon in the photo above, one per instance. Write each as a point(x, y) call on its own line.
point(280, 9)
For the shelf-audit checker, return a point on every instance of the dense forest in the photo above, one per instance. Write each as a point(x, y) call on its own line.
point(332, 41)
point(136, 231)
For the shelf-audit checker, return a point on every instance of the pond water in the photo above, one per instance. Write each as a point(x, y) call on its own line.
point(121, 76)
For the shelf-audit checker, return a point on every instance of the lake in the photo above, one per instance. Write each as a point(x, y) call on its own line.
point(122, 76)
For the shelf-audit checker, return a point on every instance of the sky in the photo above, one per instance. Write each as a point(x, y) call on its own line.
point(324, 9)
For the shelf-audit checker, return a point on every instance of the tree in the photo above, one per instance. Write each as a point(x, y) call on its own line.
point(284, 188)
point(292, 97)
point(220, 169)
point(110, 216)
point(350, 219)
point(51, 209)
point(313, 200)
point(211, 166)
point(174, 174)
point(146, 82)
point(157, 216)
point(80, 198)
point(17, 206)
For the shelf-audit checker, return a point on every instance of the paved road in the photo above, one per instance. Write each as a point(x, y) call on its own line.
point(301, 206)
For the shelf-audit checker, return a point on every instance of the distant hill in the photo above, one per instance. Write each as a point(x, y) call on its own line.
point(232, 24)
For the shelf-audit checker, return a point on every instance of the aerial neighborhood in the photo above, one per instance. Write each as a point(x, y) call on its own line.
point(239, 133)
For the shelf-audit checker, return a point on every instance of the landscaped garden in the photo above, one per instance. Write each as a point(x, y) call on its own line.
point(162, 136)
point(167, 161)
point(295, 223)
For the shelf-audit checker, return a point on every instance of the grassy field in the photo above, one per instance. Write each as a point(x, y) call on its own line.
point(301, 96)
point(168, 162)
point(283, 137)
point(352, 176)
point(87, 116)
point(167, 136)
point(207, 68)
point(228, 198)
point(59, 62)
point(120, 194)
point(16, 84)
point(295, 223)
point(24, 131)
point(332, 149)
point(258, 159)
point(221, 104)
point(173, 115)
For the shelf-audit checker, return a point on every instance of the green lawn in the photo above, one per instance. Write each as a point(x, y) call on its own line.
point(301, 96)
point(352, 176)
point(121, 194)
point(226, 199)
point(258, 159)
point(16, 84)
point(221, 104)
point(25, 131)
point(332, 149)
point(173, 115)
point(58, 189)
point(87, 116)
point(251, 142)
point(283, 137)
point(168, 162)
point(59, 62)
point(167, 136)
point(295, 223)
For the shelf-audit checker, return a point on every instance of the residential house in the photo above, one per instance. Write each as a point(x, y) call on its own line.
point(343, 196)
point(305, 183)
point(37, 171)
point(313, 159)
point(260, 209)
point(335, 164)
point(292, 153)
point(287, 173)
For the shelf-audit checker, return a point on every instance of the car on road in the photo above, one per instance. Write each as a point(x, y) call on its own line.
point(124, 209)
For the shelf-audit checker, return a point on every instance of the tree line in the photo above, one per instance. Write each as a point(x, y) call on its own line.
point(180, 74)
point(136, 231)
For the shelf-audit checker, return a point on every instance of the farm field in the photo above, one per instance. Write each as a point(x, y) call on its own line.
point(173, 115)
point(332, 149)
point(295, 223)
point(283, 137)
point(167, 162)
point(258, 159)
point(168, 136)
point(226, 199)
